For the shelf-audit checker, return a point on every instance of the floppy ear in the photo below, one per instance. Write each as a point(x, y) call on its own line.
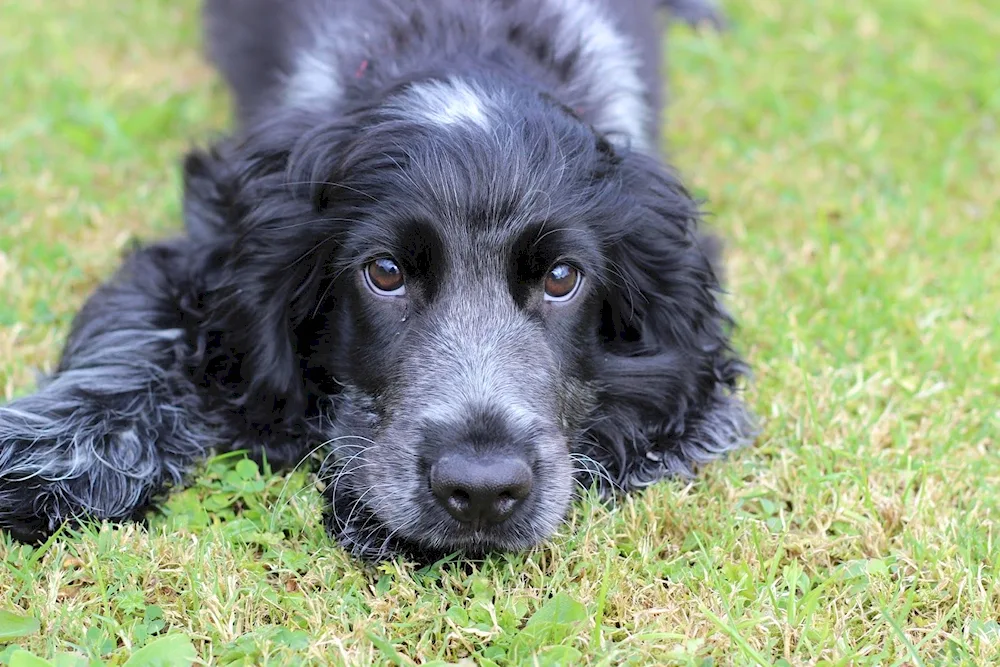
point(242, 199)
point(669, 375)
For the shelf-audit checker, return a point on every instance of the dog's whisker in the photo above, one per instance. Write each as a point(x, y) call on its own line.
point(345, 470)
point(592, 467)
point(311, 221)
point(323, 479)
point(367, 442)
point(310, 252)
point(333, 184)
point(288, 475)
point(342, 462)
point(355, 505)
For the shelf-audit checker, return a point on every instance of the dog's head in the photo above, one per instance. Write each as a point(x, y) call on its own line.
point(476, 297)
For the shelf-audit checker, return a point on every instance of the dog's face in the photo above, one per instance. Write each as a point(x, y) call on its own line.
point(458, 281)
point(462, 323)
point(463, 329)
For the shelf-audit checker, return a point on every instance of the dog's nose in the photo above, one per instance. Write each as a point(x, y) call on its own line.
point(480, 490)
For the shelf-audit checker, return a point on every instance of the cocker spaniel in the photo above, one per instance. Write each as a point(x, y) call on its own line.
point(441, 248)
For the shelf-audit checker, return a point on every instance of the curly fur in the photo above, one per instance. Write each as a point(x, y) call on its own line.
point(477, 143)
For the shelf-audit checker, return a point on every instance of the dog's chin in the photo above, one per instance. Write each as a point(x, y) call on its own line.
point(521, 532)
point(428, 534)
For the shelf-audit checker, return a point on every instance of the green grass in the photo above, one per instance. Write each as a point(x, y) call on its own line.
point(850, 154)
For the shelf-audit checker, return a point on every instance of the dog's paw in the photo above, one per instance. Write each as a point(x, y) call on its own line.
point(54, 471)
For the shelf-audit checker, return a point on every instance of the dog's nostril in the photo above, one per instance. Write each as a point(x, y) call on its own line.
point(458, 503)
point(505, 505)
point(478, 490)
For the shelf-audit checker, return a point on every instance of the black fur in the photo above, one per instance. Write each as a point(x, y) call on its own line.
point(475, 146)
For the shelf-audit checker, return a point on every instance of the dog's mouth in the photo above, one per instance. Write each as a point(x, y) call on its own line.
point(358, 527)
point(426, 517)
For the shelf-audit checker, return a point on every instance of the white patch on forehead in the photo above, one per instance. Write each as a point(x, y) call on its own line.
point(450, 102)
point(610, 69)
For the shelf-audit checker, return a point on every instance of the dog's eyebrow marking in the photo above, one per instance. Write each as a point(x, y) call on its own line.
point(449, 102)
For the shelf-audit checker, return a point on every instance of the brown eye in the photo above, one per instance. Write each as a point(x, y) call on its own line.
point(562, 282)
point(384, 277)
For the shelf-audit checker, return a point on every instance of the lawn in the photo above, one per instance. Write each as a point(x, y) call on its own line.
point(849, 151)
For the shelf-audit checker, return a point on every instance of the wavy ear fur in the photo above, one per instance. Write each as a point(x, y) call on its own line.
point(245, 197)
point(669, 375)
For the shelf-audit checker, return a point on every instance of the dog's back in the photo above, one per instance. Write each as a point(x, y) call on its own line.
point(317, 52)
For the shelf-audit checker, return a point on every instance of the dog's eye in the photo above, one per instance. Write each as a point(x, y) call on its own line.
point(562, 282)
point(384, 277)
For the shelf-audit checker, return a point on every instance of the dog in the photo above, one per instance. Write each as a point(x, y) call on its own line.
point(441, 249)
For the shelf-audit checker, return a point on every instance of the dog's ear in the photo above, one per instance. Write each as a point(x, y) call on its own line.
point(238, 197)
point(669, 373)
point(209, 194)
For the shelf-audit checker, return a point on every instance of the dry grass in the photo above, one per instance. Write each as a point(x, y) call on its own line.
point(849, 152)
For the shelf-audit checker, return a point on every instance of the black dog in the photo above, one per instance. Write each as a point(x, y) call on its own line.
point(440, 245)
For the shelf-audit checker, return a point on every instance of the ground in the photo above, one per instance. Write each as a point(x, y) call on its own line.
point(848, 150)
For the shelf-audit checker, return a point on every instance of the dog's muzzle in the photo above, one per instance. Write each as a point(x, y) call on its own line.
point(480, 491)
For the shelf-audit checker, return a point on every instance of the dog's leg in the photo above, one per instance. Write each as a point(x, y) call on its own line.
point(119, 420)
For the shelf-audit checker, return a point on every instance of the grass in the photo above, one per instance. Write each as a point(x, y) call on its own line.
point(850, 152)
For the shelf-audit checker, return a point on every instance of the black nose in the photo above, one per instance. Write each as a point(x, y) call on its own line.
point(480, 490)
